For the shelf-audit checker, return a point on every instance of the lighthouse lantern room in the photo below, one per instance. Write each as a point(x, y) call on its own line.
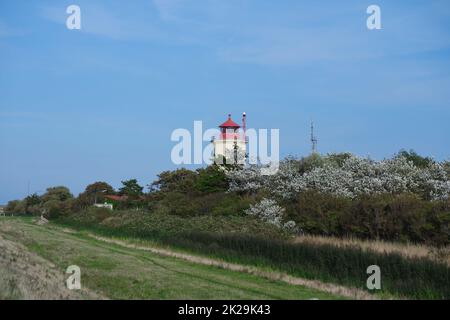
point(230, 146)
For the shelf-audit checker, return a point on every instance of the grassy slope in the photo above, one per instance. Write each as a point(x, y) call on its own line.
point(116, 272)
point(165, 225)
point(242, 240)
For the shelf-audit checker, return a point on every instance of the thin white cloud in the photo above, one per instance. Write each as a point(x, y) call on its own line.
point(274, 45)
point(105, 22)
point(236, 32)
point(299, 34)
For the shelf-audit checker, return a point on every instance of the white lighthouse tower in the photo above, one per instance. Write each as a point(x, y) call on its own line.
point(230, 146)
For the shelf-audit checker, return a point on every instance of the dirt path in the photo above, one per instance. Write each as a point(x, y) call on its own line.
point(352, 293)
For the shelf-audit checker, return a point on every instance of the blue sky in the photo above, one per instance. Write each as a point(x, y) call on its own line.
point(100, 103)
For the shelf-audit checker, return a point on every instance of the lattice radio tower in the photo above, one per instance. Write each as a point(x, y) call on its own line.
point(313, 139)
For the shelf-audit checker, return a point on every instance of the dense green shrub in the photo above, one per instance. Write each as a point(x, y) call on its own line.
point(15, 207)
point(414, 157)
point(211, 179)
point(181, 180)
point(157, 226)
point(218, 203)
point(403, 217)
point(232, 204)
point(59, 193)
point(93, 193)
point(318, 213)
point(99, 214)
point(55, 202)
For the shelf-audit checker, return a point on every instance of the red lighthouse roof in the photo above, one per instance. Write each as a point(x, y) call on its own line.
point(229, 123)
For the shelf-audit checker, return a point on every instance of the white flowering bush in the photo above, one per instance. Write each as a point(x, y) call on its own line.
point(355, 176)
point(268, 211)
point(292, 227)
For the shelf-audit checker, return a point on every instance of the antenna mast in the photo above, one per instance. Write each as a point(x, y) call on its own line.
point(313, 140)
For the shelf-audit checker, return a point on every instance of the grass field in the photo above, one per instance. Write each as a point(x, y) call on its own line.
point(408, 270)
point(34, 259)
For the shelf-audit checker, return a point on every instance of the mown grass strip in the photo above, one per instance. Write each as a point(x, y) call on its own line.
point(417, 278)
